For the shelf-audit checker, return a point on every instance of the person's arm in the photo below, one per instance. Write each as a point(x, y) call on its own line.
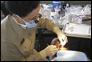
point(48, 24)
point(53, 27)
point(37, 56)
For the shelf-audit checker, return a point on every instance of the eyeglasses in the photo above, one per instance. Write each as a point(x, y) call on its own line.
point(38, 16)
point(35, 18)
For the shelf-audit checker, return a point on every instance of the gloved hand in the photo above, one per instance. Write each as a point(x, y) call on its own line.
point(49, 51)
point(61, 36)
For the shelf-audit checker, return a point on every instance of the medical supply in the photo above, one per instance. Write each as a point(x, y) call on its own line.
point(76, 28)
point(67, 10)
point(76, 19)
point(57, 5)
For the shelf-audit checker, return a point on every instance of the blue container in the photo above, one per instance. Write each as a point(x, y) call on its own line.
point(57, 4)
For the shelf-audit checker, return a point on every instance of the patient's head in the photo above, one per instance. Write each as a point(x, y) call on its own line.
point(56, 42)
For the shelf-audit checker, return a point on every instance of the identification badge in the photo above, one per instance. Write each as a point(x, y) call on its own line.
point(21, 41)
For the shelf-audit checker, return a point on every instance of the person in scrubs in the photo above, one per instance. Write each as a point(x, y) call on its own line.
point(18, 31)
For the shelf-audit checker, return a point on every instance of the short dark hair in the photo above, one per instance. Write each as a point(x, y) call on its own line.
point(3, 8)
point(21, 8)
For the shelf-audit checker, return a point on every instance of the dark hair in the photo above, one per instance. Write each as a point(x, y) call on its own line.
point(21, 8)
point(3, 9)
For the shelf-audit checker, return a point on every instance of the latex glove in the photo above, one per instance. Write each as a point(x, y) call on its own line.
point(62, 38)
point(49, 51)
point(60, 35)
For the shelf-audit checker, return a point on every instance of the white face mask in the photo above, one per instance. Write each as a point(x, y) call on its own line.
point(29, 25)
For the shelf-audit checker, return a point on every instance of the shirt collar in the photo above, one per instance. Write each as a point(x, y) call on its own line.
point(22, 25)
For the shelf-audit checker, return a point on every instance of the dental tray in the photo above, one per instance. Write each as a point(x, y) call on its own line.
point(75, 28)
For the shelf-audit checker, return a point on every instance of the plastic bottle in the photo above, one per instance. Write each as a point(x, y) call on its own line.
point(57, 5)
point(67, 8)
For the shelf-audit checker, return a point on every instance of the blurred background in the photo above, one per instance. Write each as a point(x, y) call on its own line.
point(70, 2)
